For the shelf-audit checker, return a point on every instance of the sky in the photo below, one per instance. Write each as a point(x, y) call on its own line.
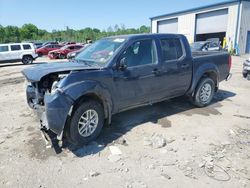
point(78, 14)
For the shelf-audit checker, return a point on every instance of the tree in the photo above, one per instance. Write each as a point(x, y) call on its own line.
point(144, 29)
point(2, 34)
point(28, 32)
point(12, 34)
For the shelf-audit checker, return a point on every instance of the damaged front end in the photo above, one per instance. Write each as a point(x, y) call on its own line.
point(51, 103)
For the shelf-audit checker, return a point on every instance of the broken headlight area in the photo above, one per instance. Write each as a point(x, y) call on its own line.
point(50, 84)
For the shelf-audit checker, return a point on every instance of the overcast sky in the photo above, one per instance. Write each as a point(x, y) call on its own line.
point(77, 14)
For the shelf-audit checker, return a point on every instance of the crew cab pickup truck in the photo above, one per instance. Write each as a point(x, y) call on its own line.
point(119, 73)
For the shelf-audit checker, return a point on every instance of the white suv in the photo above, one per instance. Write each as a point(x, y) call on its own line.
point(15, 52)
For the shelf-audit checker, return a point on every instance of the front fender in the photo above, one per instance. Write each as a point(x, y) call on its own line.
point(206, 68)
point(89, 87)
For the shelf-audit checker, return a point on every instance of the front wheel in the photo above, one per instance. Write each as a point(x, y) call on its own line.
point(86, 122)
point(204, 92)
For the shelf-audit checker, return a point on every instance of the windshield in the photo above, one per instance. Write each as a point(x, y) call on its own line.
point(197, 45)
point(101, 51)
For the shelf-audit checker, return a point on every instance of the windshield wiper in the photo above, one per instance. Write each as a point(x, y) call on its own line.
point(85, 62)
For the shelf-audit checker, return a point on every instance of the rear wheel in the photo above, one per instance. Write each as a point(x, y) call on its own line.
point(86, 122)
point(248, 76)
point(27, 59)
point(204, 92)
point(62, 56)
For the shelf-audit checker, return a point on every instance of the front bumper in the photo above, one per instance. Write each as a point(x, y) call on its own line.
point(57, 108)
point(54, 113)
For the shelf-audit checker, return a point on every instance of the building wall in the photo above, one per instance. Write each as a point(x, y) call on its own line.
point(244, 26)
point(231, 25)
point(187, 21)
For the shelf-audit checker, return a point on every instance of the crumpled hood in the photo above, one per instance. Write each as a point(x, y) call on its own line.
point(35, 73)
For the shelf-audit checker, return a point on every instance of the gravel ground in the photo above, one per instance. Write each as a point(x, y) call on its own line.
point(169, 144)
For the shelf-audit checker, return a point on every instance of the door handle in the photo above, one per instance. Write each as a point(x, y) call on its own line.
point(156, 72)
point(185, 65)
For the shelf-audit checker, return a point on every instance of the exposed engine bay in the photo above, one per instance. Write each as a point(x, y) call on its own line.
point(47, 85)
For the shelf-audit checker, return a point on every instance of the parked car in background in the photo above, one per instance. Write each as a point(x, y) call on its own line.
point(50, 42)
point(38, 44)
point(44, 50)
point(72, 55)
point(208, 45)
point(15, 52)
point(118, 73)
point(67, 43)
point(63, 52)
point(246, 69)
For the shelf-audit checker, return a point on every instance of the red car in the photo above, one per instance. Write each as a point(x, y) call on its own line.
point(47, 48)
point(62, 52)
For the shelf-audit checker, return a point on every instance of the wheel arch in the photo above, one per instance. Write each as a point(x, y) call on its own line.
point(208, 70)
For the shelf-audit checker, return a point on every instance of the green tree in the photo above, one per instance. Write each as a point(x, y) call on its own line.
point(28, 32)
point(12, 34)
point(144, 29)
point(2, 34)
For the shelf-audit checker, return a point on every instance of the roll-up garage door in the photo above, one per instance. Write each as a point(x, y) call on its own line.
point(168, 26)
point(212, 22)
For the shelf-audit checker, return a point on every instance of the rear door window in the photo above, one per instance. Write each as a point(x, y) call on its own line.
point(171, 49)
point(26, 47)
point(4, 48)
point(15, 47)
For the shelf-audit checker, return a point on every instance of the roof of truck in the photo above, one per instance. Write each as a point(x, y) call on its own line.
point(132, 36)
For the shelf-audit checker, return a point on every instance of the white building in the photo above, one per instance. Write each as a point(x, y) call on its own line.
point(230, 19)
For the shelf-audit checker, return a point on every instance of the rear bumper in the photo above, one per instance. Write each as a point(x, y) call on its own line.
point(229, 76)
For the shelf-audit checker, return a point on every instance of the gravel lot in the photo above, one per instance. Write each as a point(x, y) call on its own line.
point(169, 144)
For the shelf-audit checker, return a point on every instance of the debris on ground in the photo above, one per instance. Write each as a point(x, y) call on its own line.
point(114, 158)
point(156, 141)
point(94, 174)
point(121, 141)
point(115, 150)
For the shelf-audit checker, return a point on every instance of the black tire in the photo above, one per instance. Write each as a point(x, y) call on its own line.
point(40, 54)
point(74, 130)
point(62, 56)
point(27, 59)
point(248, 76)
point(199, 99)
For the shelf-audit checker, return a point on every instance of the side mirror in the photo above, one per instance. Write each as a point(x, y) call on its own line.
point(123, 64)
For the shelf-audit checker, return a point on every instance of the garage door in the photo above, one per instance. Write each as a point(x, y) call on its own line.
point(168, 26)
point(212, 22)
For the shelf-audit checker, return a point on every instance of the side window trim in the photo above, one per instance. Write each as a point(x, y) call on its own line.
point(8, 48)
point(154, 46)
point(182, 47)
point(13, 50)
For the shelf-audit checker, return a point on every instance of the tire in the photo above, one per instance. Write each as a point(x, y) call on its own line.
point(62, 56)
point(27, 59)
point(204, 92)
point(40, 54)
point(77, 133)
point(248, 76)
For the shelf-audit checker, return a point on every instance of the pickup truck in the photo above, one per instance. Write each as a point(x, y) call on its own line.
point(75, 99)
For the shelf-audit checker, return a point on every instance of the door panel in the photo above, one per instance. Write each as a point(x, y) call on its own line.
point(15, 51)
point(138, 83)
point(176, 68)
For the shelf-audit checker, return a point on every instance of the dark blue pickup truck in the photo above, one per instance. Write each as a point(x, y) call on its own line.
point(119, 73)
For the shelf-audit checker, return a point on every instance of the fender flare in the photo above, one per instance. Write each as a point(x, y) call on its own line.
point(209, 69)
point(88, 88)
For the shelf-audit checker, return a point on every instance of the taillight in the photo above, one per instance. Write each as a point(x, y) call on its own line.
point(230, 62)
